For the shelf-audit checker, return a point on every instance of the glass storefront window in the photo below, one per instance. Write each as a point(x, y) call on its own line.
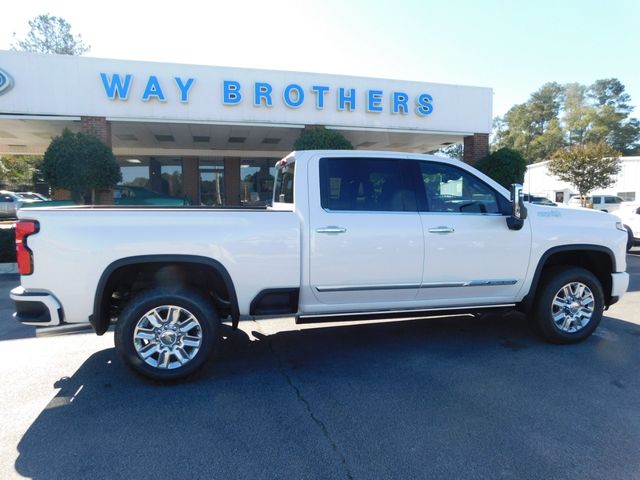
point(256, 177)
point(164, 175)
point(160, 175)
point(135, 175)
point(171, 182)
point(211, 182)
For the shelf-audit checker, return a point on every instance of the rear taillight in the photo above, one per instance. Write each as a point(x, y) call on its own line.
point(24, 255)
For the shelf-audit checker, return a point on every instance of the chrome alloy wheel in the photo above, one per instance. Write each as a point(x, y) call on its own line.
point(167, 337)
point(572, 307)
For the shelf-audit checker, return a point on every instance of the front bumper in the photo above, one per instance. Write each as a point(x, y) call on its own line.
point(619, 285)
point(36, 308)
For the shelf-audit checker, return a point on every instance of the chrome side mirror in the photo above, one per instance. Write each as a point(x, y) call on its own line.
point(518, 210)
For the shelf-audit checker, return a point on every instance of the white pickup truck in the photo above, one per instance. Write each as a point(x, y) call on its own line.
point(349, 235)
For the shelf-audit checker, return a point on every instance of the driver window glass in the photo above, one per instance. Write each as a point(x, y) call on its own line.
point(6, 198)
point(452, 190)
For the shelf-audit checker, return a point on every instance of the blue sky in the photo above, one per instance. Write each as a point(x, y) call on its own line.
point(511, 46)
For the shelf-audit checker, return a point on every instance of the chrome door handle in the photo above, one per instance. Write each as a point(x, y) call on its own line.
point(441, 230)
point(331, 229)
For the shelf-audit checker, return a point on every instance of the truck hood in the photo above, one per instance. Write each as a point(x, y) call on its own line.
point(574, 216)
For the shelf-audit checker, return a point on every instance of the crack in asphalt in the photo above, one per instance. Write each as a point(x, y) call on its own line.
point(301, 398)
point(319, 423)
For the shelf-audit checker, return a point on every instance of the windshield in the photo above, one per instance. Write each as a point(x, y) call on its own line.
point(576, 198)
point(29, 196)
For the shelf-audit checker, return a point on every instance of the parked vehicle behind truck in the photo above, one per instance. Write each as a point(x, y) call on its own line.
point(350, 235)
point(11, 202)
point(630, 216)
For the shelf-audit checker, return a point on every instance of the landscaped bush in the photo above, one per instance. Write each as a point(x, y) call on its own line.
point(505, 166)
point(7, 245)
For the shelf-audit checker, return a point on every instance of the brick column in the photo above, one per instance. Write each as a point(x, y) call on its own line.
point(191, 179)
point(99, 127)
point(232, 181)
point(60, 194)
point(476, 146)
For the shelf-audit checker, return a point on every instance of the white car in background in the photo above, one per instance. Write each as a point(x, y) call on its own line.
point(36, 197)
point(606, 203)
point(630, 216)
point(10, 202)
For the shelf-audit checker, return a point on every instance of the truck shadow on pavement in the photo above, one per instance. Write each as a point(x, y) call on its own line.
point(454, 397)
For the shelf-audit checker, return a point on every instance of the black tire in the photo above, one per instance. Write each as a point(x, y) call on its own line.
point(553, 280)
point(207, 329)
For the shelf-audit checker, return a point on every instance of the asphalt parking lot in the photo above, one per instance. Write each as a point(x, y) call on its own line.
point(441, 398)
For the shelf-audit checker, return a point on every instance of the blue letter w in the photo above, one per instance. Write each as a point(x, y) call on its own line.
point(116, 87)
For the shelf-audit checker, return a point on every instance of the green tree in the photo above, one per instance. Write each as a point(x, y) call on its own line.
point(612, 122)
point(50, 34)
point(17, 171)
point(578, 114)
point(586, 167)
point(532, 128)
point(80, 163)
point(505, 166)
point(320, 138)
point(556, 116)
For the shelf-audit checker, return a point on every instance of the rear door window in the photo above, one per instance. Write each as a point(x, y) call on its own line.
point(365, 184)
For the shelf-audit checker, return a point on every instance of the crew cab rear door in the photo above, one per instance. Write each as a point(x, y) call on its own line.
point(366, 240)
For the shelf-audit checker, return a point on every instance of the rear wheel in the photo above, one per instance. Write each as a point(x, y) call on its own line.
point(167, 335)
point(569, 305)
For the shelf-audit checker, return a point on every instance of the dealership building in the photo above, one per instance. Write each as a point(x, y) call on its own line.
point(213, 134)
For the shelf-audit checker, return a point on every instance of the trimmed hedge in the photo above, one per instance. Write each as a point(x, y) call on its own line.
point(505, 166)
point(7, 245)
point(320, 138)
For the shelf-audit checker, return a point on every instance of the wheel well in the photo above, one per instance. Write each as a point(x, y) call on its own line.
point(599, 261)
point(125, 279)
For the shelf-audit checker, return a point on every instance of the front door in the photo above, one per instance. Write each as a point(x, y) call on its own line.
point(366, 243)
point(471, 256)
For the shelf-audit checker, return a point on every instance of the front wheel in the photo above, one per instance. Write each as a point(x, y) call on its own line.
point(166, 335)
point(569, 305)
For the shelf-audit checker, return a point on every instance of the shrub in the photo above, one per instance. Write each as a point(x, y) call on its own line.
point(80, 163)
point(319, 138)
point(505, 166)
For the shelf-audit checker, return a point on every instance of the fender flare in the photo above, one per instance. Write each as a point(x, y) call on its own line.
point(527, 300)
point(100, 322)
